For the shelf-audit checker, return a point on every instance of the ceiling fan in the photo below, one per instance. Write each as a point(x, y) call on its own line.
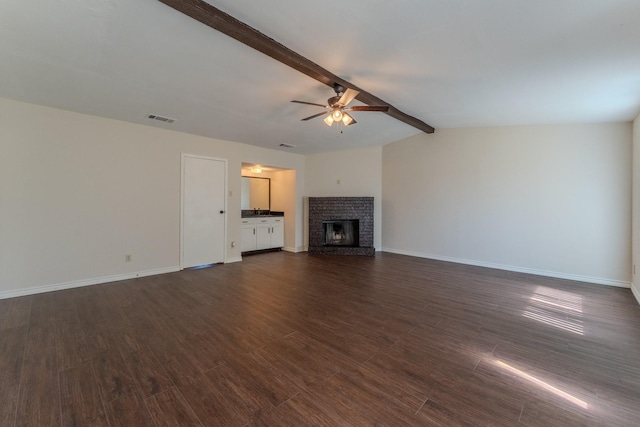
point(336, 107)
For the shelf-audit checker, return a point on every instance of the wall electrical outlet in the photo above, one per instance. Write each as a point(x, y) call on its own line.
point(233, 243)
point(127, 258)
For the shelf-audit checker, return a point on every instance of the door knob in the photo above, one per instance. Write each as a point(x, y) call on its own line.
point(221, 211)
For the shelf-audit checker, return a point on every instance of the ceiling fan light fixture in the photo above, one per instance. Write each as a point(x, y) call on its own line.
point(329, 119)
point(336, 109)
point(347, 119)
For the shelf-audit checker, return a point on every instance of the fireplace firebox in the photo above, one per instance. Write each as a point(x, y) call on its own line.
point(342, 232)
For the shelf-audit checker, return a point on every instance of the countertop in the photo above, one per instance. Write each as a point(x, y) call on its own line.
point(250, 214)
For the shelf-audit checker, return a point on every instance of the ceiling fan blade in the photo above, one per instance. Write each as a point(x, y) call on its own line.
point(309, 103)
point(314, 116)
point(347, 97)
point(383, 108)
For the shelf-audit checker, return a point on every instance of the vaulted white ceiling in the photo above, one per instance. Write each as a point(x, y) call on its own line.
point(455, 63)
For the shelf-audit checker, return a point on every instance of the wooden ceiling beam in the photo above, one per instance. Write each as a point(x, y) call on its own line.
point(215, 18)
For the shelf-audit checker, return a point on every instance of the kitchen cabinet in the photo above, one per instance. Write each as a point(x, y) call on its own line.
point(262, 233)
point(248, 235)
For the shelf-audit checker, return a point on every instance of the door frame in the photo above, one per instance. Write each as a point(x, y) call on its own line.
point(226, 191)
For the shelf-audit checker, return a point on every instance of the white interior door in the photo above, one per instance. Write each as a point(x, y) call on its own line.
point(203, 210)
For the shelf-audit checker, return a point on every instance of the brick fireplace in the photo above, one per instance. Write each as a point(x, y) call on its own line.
point(341, 226)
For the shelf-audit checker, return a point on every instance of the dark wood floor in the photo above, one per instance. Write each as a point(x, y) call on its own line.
point(292, 339)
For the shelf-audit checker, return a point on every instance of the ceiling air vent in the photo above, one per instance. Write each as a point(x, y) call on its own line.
point(160, 118)
point(287, 145)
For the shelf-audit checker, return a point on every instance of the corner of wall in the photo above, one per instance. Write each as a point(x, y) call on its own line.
point(635, 208)
point(636, 292)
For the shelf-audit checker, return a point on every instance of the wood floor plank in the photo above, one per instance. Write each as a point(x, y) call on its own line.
point(12, 347)
point(73, 348)
point(148, 373)
point(389, 385)
point(39, 400)
point(128, 411)
point(304, 408)
point(170, 409)
point(617, 403)
point(551, 367)
point(126, 337)
point(99, 338)
point(15, 312)
point(65, 310)
point(9, 399)
point(303, 360)
point(433, 413)
point(112, 376)
point(42, 309)
point(350, 400)
point(179, 364)
point(239, 392)
point(210, 401)
point(343, 340)
point(80, 399)
point(537, 413)
point(293, 339)
point(430, 344)
point(260, 379)
point(414, 378)
point(91, 307)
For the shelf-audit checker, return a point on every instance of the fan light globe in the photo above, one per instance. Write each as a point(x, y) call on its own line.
point(328, 120)
point(337, 114)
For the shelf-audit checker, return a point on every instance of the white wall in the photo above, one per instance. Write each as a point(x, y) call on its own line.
point(78, 192)
point(635, 286)
point(359, 173)
point(283, 198)
point(551, 200)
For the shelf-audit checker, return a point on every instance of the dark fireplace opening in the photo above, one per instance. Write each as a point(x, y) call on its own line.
point(342, 232)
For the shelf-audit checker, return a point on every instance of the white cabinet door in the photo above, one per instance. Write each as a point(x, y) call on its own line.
point(248, 242)
point(277, 234)
point(263, 236)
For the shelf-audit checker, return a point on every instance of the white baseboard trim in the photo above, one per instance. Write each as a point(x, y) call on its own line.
point(233, 259)
point(635, 293)
point(557, 275)
point(295, 250)
point(85, 282)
